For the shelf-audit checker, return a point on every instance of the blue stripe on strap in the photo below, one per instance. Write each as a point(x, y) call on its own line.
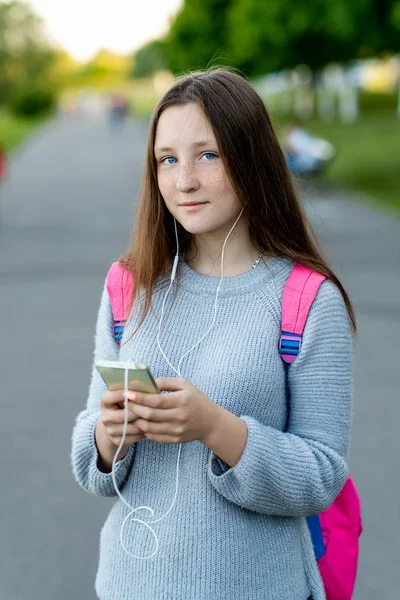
point(118, 331)
point(291, 344)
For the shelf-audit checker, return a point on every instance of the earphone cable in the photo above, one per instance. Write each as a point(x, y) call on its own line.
point(178, 372)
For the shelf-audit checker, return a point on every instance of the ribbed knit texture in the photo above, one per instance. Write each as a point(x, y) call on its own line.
point(234, 533)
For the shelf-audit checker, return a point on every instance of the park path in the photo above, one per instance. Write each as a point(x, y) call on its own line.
point(65, 216)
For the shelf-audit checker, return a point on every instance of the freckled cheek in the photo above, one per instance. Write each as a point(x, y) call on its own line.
point(214, 179)
point(167, 184)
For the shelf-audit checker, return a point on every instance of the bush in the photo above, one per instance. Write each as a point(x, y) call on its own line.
point(32, 102)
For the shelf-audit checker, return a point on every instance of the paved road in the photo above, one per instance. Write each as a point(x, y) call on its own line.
point(65, 215)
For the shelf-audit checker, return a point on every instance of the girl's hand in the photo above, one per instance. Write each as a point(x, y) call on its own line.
point(110, 427)
point(183, 415)
point(112, 419)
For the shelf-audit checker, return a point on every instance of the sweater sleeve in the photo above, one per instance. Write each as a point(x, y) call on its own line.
point(299, 472)
point(84, 453)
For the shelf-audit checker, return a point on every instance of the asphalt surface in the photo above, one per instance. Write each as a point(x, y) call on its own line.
point(65, 215)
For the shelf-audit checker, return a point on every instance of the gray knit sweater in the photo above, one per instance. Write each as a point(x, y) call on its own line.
point(234, 533)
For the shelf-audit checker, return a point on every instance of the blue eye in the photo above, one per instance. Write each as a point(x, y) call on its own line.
point(168, 158)
point(210, 154)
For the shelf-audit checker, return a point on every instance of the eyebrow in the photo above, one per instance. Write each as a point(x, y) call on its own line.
point(198, 144)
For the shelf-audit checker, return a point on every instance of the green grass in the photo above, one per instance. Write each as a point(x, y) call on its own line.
point(368, 156)
point(13, 130)
point(368, 151)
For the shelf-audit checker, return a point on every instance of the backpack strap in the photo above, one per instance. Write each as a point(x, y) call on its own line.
point(119, 287)
point(298, 295)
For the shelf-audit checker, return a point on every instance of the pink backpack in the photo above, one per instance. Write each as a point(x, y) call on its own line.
point(334, 532)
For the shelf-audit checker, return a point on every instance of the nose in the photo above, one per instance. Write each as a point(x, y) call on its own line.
point(187, 178)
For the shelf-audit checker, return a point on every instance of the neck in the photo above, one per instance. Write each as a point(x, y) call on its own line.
point(204, 254)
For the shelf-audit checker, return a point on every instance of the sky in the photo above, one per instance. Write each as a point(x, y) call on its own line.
point(82, 27)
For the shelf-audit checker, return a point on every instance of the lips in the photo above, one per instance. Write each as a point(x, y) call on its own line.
point(192, 206)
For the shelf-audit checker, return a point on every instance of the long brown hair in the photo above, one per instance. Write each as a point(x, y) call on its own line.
point(255, 163)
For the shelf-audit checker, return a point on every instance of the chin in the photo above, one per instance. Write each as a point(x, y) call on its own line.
point(196, 225)
point(195, 229)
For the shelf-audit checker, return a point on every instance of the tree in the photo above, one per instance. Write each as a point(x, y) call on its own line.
point(150, 58)
point(257, 35)
point(380, 32)
point(284, 33)
point(25, 54)
point(198, 35)
point(107, 63)
point(260, 36)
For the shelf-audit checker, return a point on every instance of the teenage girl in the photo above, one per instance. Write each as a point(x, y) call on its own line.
point(222, 467)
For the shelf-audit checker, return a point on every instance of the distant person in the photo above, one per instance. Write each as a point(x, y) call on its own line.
point(238, 448)
point(118, 110)
point(305, 153)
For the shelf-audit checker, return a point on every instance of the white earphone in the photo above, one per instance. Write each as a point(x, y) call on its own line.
point(178, 372)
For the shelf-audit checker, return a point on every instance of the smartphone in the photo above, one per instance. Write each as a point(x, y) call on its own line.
point(140, 378)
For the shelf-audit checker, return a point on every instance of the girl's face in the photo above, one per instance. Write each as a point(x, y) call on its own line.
point(191, 175)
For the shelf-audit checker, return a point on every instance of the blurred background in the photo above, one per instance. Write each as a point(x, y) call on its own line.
point(330, 67)
point(78, 81)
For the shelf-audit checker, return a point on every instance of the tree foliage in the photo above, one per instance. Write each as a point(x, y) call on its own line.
point(25, 55)
point(198, 35)
point(260, 36)
point(106, 63)
point(150, 58)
